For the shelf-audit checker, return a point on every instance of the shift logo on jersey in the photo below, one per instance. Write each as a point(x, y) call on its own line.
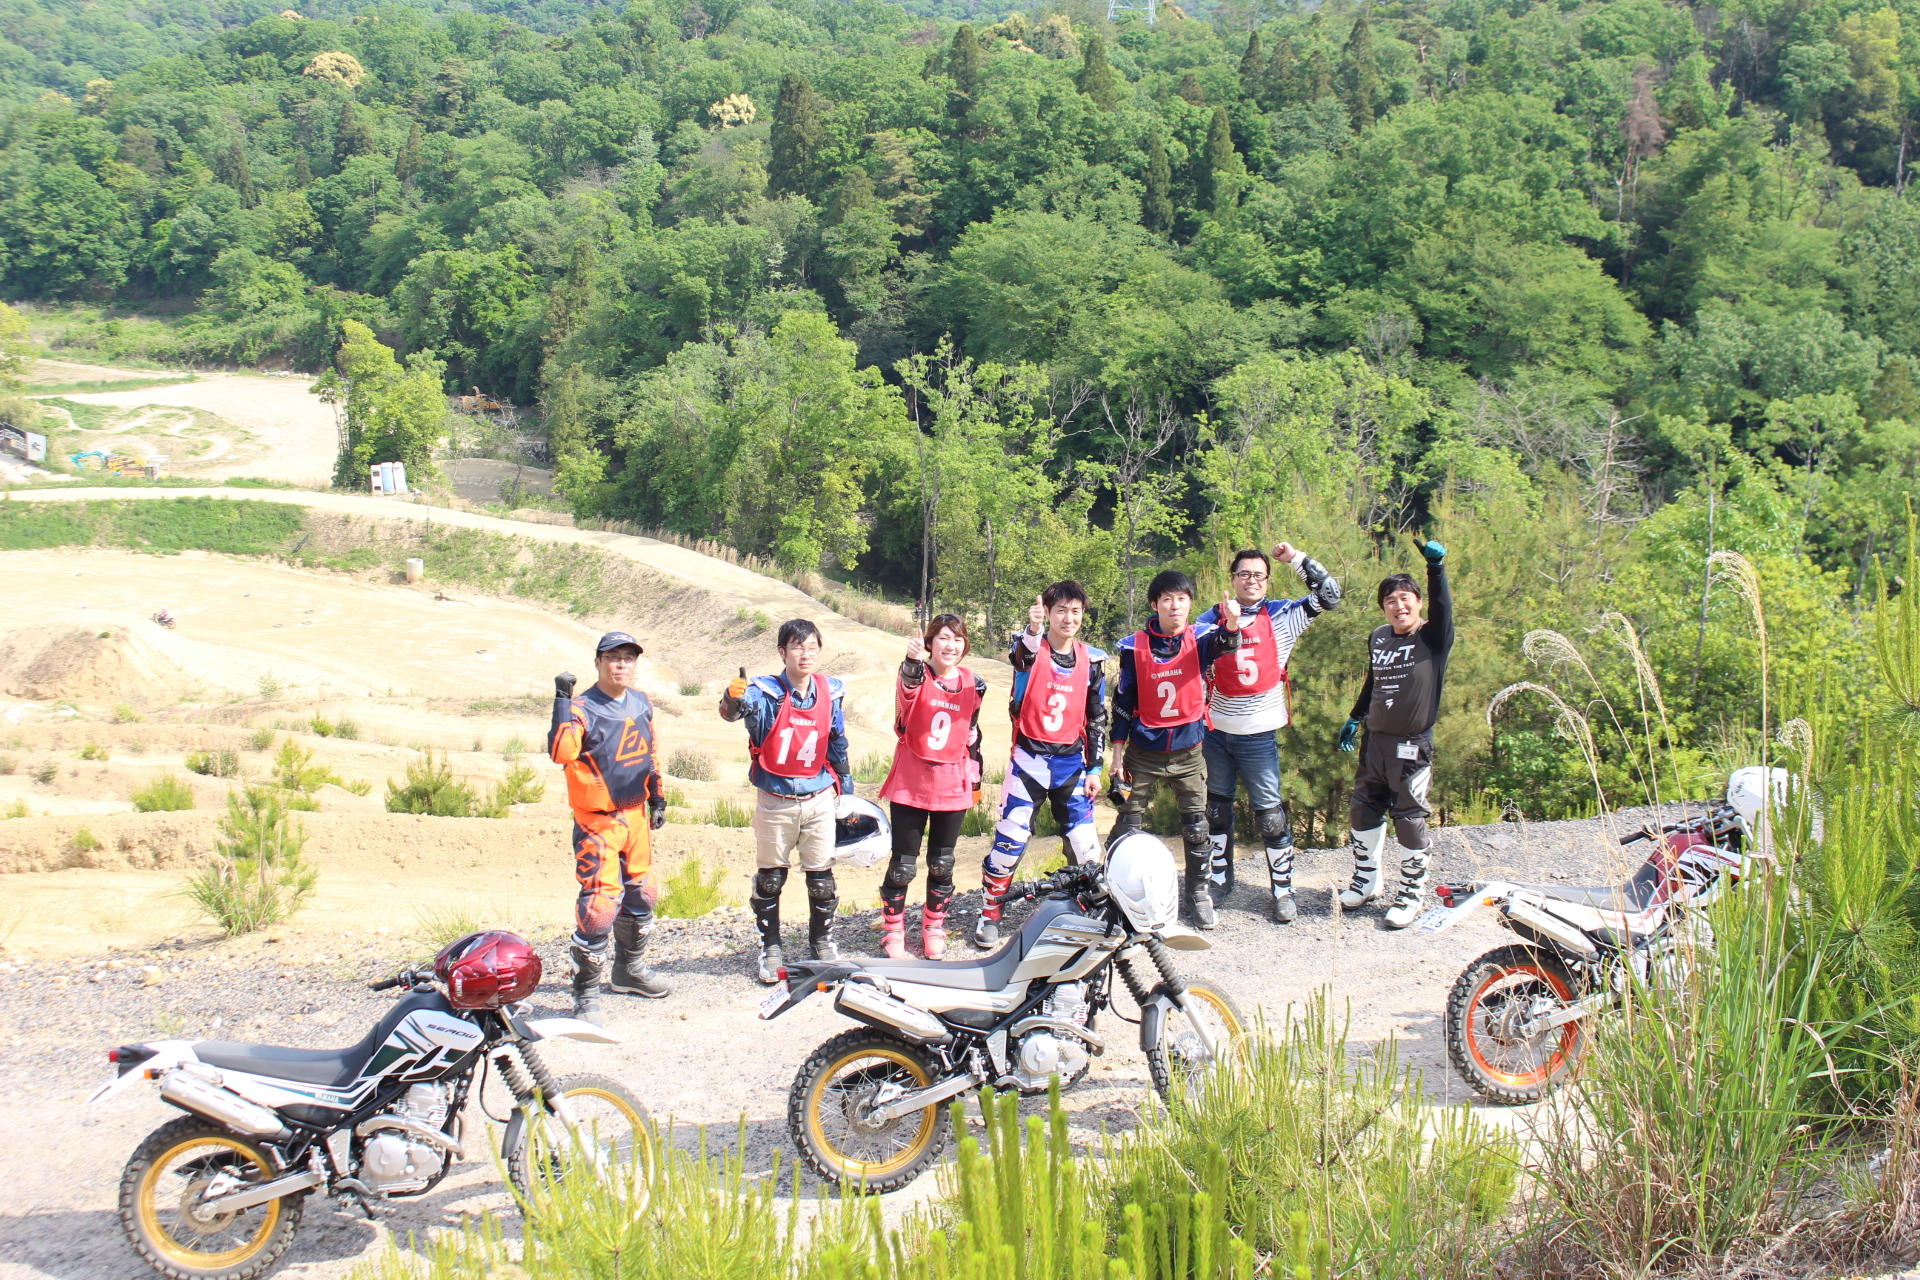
point(633, 745)
point(1387, 657)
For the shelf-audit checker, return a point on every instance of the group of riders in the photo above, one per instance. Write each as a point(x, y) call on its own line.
point(1196, 704)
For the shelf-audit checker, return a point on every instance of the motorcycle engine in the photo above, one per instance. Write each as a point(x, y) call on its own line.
point(391, 1161)
point(1042, 1053)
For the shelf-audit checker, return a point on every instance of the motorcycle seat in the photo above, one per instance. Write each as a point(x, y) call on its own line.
point(989, 973)
point(328, 1068)
point(1635, 896)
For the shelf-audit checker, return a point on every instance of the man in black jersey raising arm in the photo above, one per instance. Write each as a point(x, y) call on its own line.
point(1397, 707)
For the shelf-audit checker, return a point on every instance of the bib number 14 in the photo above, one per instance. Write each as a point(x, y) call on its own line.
point(809, 748)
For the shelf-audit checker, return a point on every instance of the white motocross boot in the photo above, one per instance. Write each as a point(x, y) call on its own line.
point(1366, 868)
point(1413, 888)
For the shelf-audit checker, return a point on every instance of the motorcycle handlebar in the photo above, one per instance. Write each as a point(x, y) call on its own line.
point(404, 978)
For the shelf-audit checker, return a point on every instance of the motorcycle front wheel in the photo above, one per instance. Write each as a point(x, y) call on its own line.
point(829, 1106)
point(178, 1164)
point(1487, 1015)
point(615, 1135)
point(1194, 1041)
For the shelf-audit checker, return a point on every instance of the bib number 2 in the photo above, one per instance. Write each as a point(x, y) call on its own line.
point(1169, 699)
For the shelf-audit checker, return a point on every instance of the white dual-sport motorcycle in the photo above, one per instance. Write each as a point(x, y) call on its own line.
point(865, 1108)
point(216, 1194)
point(1515, 1019)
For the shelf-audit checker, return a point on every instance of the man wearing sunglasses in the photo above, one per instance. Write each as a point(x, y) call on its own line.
point(1249, 706)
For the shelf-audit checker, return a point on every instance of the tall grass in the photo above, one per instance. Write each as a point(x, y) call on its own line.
point(692, 892)
point(163, 794)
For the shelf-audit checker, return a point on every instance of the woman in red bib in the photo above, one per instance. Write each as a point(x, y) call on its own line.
point(935, 778)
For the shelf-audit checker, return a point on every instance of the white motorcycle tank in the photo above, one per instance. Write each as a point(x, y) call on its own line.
point(1066, 946)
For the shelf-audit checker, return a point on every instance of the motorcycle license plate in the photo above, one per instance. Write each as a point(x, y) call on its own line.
point(1434, 920)
point(771, 1005)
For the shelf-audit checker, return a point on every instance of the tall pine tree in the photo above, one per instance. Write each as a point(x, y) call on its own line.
point(1156, 206)
point(1359, 82)
point(1218, 163)
point(793, 161)
point(1253, 70)
point(1096, 76)
point(963, 68)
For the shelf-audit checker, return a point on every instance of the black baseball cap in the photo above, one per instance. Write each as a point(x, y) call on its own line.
point(614, 639)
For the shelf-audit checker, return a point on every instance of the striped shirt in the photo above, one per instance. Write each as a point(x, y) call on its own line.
point(1267, 712)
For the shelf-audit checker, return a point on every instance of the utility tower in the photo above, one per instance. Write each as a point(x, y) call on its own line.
point(1117, 7)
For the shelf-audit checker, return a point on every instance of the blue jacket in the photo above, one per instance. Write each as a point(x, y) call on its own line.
point(761, 706)
point(1212, 641)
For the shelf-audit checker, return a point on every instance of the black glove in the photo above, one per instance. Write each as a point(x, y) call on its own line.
point(656, 814)
point(563, 685)
point(1349, 735)
point(1433, 551)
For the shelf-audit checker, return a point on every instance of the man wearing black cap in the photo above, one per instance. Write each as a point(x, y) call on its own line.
point(604, 737)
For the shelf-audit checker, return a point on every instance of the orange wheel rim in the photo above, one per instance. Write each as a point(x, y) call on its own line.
point(1562, 1050)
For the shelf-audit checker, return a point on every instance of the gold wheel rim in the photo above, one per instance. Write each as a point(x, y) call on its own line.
point(641, 1156)
point(1226, 1053)
point(870, 1169)
point(165, 1241)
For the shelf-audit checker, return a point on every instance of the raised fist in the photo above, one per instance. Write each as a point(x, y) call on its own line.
point(1283, 552)
point(1433, 551)
point(563, 685)
point(737, 687)
point(1037, 616)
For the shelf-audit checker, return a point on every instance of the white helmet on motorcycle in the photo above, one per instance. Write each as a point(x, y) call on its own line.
point(1141, 878)
point(1757, 794)
point(861, 833)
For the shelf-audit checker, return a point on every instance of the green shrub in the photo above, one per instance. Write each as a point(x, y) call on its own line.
point(431, 788)
point(692, 764)
point(18, 809)
point(1309, 1146)
point(520, 786)
point(295, 770)
point(45, 772)
point(729, 813)
point(690, 688)
point(124, 714)
point(676, 798)
point(270, 687)
point(93, 751)
point(978, 821)
point(164, 794)
point(872, 767)
point(440, 926)
point(260, 739)
point(84, 840)
point(8, 764)
point(257, 876)
point(691, 892)
point(342, 728)
point(359, 787)
point(214, 764)
point(513, 749)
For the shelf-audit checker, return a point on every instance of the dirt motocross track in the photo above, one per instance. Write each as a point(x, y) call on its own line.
point(99, 949)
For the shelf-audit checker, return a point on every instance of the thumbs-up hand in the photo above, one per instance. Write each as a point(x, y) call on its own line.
point(737, 687)
point(1230, 613)
point(916, 650)
point(1037, 616)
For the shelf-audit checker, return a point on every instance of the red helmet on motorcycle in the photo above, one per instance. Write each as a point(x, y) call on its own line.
point(487, 970)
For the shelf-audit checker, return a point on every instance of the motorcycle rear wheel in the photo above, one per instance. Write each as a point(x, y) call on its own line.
point(1489, 1001)
point(169, 1171)
point(617, 1128)
point(1181, 1061)
point(836, 1085)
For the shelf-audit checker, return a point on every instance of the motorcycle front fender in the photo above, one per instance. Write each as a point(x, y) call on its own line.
point(568, 1028)
point(1181, 938)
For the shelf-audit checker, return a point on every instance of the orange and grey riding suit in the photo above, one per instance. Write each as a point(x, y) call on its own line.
point(613, 786)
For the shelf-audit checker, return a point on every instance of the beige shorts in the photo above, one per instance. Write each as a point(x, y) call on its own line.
point(788, 830)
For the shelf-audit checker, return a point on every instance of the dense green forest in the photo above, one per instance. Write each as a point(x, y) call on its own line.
point(953, 308)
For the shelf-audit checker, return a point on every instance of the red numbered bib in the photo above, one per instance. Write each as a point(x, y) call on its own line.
point(939, 723)
point(1054, 707)
point(1171, 692)
point(1253, 667)
point(796, 745)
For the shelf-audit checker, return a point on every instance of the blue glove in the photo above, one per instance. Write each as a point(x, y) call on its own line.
point(1433, 551)
point(1349, 735)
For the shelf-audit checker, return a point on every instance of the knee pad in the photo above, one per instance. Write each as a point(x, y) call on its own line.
point(939, 867)
point(1274, 827)
point(1219, 814)
point(1193, 832)
point(821, 887)
point(1125, 825)
point(1412, 834)
point(901, 870)
point(768, 881)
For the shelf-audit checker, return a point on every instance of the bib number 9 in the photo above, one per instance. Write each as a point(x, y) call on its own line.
point(939, 730)
point(809, 748)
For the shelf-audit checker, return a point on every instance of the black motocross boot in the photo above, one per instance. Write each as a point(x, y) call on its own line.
point(587, 964)
point(630, 976)
point(823, 901)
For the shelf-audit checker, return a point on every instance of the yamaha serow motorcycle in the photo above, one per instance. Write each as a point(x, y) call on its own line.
point(216, 1194)
point(864, 1109)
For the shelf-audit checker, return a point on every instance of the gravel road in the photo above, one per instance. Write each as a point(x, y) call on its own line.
point(698, 1058)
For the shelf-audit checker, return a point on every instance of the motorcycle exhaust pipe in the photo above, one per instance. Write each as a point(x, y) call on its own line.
point(860, 1001)
point(203, 1097)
